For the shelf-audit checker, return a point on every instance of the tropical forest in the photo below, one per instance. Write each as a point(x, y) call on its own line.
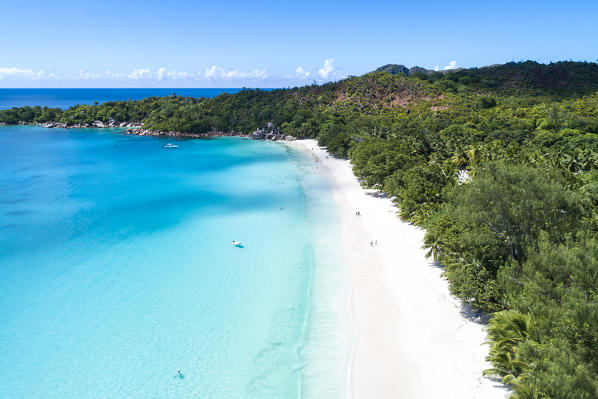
point(499, 166)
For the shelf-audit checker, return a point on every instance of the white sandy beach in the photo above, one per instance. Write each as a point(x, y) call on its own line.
point(412, 340)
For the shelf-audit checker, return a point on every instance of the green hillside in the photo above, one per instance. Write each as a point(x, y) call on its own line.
point(499, 165)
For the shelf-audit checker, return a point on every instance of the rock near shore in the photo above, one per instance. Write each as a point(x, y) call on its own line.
point(94, 124)
point(100, 125)
point(269, 132)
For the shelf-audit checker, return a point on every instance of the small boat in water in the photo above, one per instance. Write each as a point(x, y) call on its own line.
point(237, 243)
point(171, 146)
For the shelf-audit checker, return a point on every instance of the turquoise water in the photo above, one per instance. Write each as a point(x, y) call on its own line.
point(117, 269)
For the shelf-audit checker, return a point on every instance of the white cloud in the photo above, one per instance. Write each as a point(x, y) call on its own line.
point(302, 73)
point(165, 74)
point(235, 74)
point(18, 73)
point(451, 65)
point(162, 73)
point(138, 77)
point(437, 68)
point(260, 74)
point(216, 72)
point(84, 75)
point(210, 72)
point(327, 70)
point(140, 73)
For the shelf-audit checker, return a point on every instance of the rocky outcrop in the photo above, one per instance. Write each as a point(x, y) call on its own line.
point(417, 69)
point(259, 134)
point(113, 123)
point(52, 125)
point(95, 124)
point(394, 69)
point(268, 136)
point(270, 132)
point(139, 131)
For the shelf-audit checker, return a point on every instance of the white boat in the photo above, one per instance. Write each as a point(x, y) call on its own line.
point(236, 243)
point(169, 145)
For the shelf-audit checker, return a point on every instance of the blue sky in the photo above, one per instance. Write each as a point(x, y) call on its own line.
point(275, 43)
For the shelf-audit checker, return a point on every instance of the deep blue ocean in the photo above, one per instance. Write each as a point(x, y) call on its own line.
point(117, 269)
point(64, 98)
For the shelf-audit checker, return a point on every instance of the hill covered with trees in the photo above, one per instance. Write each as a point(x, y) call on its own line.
point(499, 165)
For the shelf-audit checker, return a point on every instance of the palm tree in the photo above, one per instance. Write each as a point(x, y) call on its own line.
point(495, 149)
point(434, 246)
point(474, 154)
point(506, 331)
point(587, 160)
point(535, 158)
point(569, 162)
point(554, 158)
point(511, 151)
point(459, 158)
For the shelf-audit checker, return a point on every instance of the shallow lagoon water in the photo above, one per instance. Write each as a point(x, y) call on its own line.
point(117, 269)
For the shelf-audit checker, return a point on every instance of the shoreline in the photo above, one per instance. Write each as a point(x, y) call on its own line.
point(136, 128)
point(412, 338)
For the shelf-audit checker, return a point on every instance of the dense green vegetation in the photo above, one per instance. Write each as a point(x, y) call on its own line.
point(516, 234)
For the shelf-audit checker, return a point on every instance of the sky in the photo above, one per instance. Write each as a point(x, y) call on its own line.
point(257, 43)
